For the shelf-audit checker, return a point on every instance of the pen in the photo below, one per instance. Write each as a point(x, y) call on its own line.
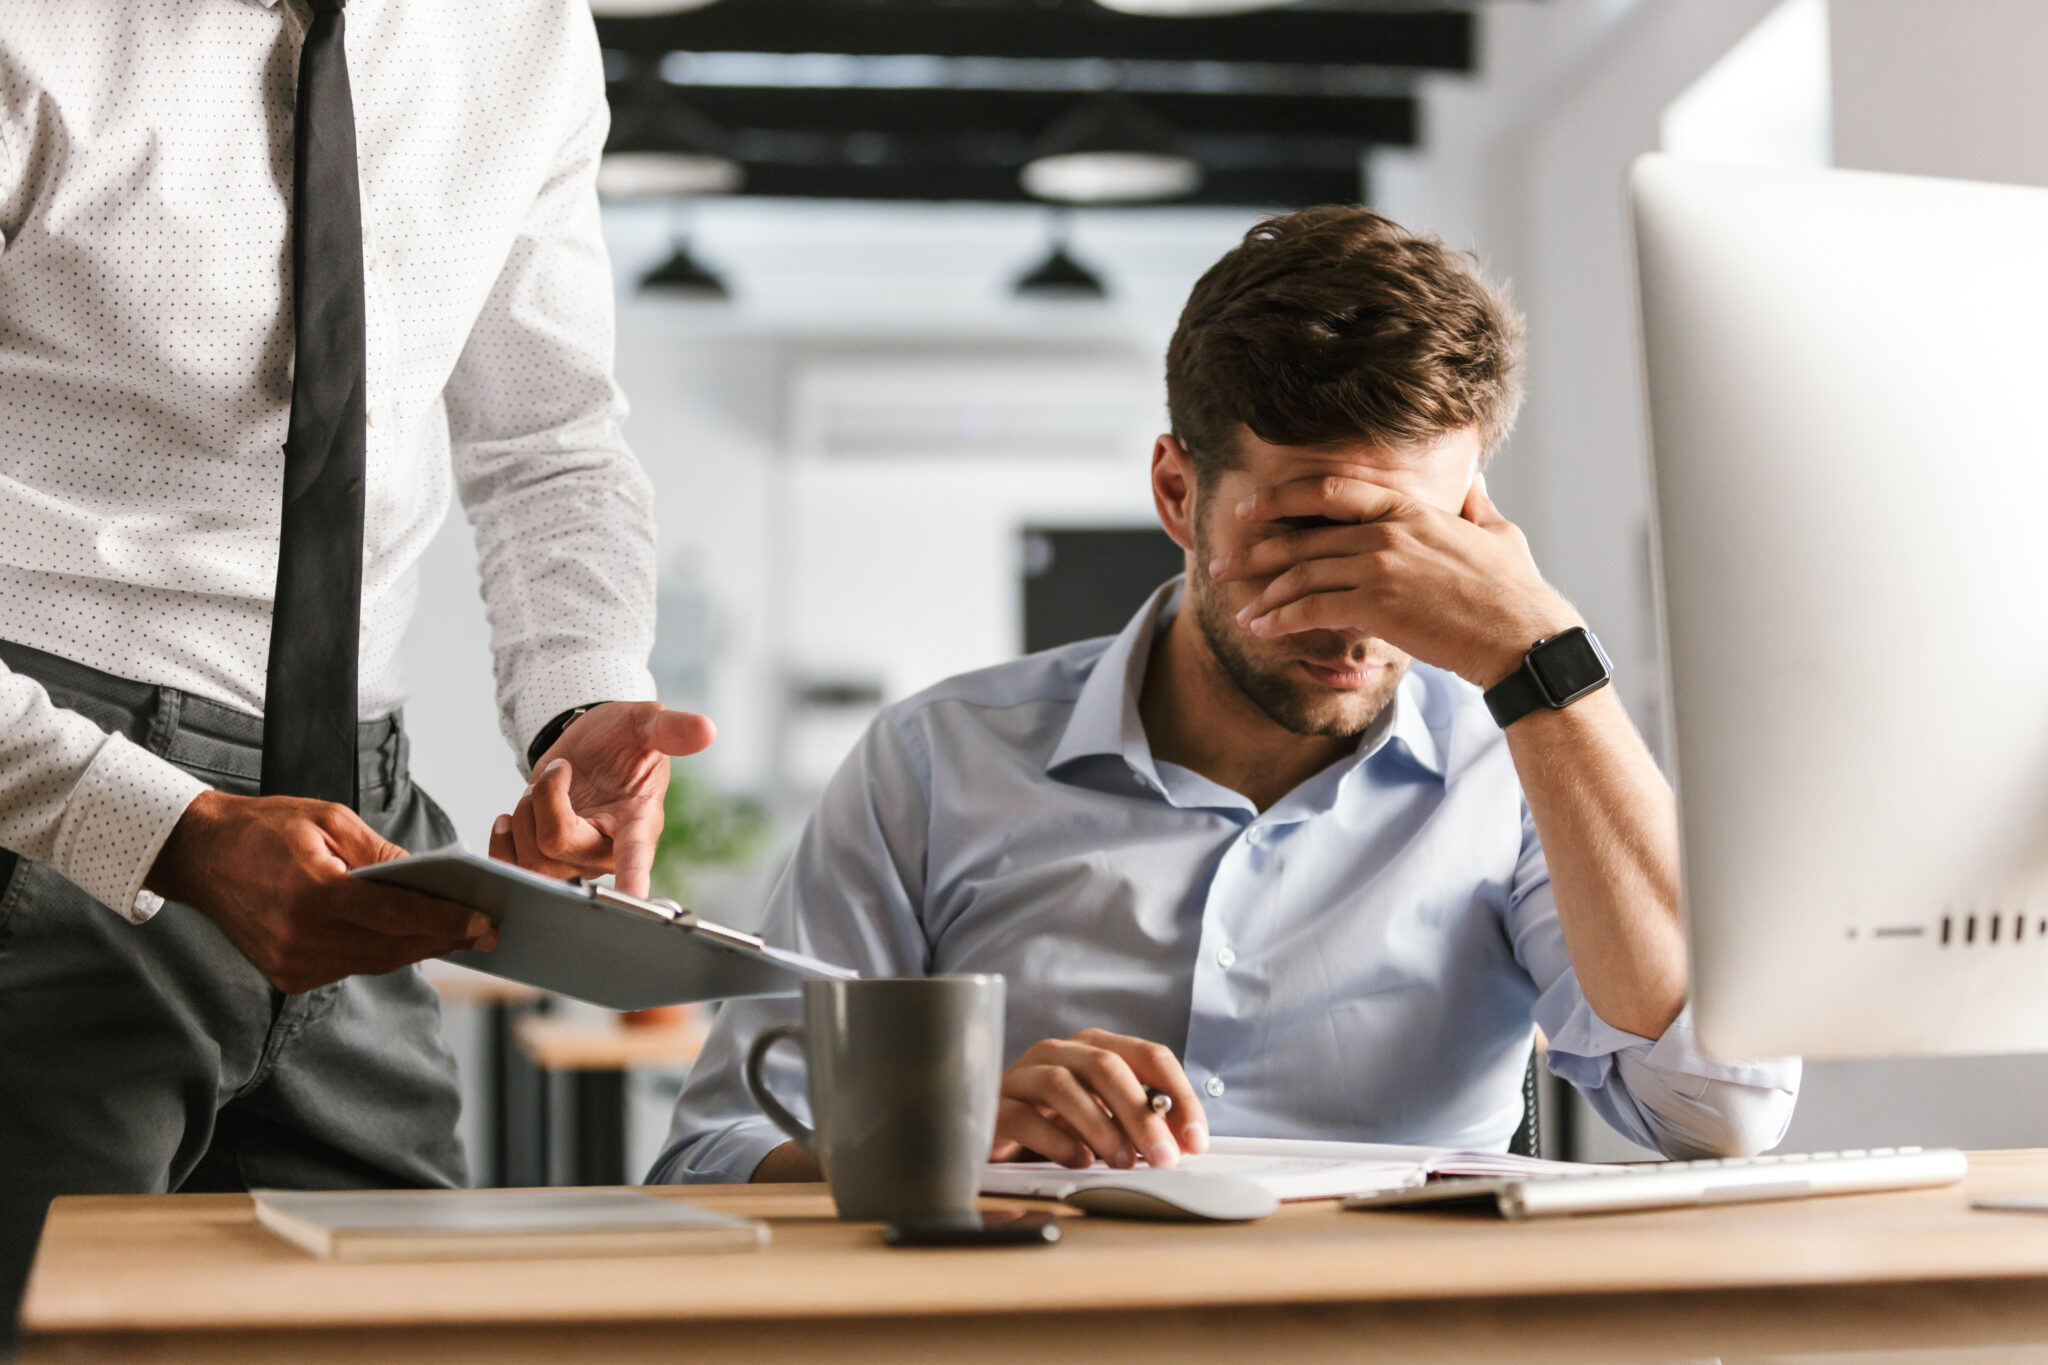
point(1158, 1101)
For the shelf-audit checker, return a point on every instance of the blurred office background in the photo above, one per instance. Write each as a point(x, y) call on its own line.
point(892, 336)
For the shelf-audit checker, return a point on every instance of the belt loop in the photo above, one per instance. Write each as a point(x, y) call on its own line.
point(163, 721)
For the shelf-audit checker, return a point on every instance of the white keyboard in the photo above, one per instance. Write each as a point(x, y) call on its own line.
point(1675, 1184)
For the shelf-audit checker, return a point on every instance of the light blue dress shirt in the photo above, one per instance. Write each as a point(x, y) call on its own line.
point(1366, 960)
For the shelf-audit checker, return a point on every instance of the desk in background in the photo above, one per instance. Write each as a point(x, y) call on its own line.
point(592, 1060)
point(175, 1278)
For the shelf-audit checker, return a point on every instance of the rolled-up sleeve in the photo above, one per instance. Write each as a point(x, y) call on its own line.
point(1663, 1092)
point(851, 896)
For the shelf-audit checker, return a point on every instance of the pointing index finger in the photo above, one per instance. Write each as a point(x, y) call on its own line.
point(633, 851)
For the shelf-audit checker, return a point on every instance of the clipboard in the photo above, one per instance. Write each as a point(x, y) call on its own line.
point(597, 943)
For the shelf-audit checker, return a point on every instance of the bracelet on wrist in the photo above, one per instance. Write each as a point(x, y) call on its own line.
point(552, 731)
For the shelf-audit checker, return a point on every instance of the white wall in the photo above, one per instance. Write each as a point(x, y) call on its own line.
point(1951, 88)
point(1766, 102)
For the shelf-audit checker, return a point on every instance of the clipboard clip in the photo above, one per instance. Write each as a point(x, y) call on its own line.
point(662, 909)
point(666, 911)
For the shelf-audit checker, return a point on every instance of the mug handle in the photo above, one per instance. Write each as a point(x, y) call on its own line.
point(806, 1136)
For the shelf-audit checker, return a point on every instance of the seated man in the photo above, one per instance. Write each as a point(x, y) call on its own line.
point(1269, 850)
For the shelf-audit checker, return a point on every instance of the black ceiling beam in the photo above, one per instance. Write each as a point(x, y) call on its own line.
point(1265, 188)
point(1433, 39)
point(1377, 120)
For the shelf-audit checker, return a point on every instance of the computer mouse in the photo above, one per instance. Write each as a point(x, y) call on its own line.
point(1175, 1196)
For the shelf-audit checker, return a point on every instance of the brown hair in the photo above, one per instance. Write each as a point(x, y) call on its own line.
point(1336, 325)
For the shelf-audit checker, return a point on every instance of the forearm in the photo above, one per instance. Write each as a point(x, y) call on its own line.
point(1609, 827)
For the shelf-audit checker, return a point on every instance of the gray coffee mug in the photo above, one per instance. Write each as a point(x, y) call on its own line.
point(903, 1079)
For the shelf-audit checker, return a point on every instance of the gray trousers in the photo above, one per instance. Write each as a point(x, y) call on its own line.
point(154, 1057)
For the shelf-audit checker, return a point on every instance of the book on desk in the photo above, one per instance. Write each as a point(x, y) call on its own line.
point(396, 1225)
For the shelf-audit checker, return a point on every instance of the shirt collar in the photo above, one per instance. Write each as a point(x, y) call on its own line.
point(1105, 720)
point(1105, 716)
point(1411, 729)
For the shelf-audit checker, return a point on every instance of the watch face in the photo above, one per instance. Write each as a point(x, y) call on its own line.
point(1569, 665)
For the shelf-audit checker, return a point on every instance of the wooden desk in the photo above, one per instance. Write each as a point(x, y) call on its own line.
point(164, 1278)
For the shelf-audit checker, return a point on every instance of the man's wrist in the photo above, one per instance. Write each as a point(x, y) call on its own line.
point(1512, 645)
point(553, 731)
point(1557, 671)
point(166, 876)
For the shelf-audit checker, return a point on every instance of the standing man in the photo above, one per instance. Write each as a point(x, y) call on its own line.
point(275, 279)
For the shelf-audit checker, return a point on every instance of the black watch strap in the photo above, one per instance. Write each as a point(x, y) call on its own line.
point(1515, 696)
point(552, 731)
point(1557, 671)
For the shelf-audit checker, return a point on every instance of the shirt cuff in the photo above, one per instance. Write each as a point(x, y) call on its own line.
point(727, 1157)
point(115, 823)
point(561, 686)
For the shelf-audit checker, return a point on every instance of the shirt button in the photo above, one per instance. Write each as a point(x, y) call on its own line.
point(370, 417)
point(1214, 1085)
point(1226, 957)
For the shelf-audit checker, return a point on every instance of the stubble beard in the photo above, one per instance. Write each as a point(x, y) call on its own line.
point(1289, 701)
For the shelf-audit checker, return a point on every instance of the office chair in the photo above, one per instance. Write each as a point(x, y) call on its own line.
point(1528, 1138)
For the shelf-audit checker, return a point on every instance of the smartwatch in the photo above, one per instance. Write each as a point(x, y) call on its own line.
point(1555, 673)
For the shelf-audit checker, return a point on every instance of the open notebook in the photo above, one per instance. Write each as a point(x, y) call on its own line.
point(1287, 1168)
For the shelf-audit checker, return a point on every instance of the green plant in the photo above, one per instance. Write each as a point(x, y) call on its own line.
point(703, 828)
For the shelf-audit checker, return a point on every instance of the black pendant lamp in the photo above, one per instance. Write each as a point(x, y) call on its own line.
point(1059, 276)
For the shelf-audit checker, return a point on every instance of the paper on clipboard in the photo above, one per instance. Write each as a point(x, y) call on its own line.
point(596, 943)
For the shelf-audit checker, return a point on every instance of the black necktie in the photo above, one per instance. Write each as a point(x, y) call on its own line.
point(309, 706)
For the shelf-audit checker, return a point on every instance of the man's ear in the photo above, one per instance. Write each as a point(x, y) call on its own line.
point(1173, 490)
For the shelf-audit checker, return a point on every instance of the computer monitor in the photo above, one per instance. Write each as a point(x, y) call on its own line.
point(1847, 376)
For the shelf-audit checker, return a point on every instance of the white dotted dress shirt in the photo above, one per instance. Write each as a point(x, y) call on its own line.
point(145, 372)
